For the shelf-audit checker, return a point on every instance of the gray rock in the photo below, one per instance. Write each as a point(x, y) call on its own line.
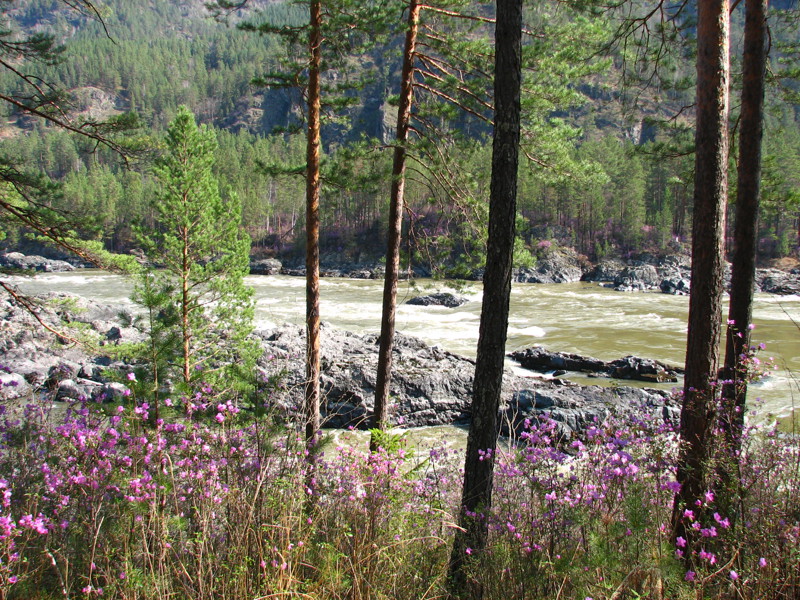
point(637, 278)
point(110, 392)
point(439, 299)
point(560, 265)
point(675, 286)
point(429, 386)
point(13, 386)
point(17, 260)
point(605, 270)
point(77, 389)
point(779, 282)
point(630, 367)
point(265, 266)
point(575, 408)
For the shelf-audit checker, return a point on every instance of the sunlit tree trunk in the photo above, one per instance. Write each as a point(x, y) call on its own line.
point(482, 441)
point(312, 391)
point(396, 204)
point(705, 302)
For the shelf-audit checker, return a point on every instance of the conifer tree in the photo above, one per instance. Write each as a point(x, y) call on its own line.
point(476, 496)
point(334, 30)
point(203, 257)
point(698, 413)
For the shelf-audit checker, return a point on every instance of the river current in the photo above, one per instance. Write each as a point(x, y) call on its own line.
point(583, 318)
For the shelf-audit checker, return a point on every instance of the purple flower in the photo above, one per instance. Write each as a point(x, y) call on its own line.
point(131, 376)
point(734, 575)
point(690, 576)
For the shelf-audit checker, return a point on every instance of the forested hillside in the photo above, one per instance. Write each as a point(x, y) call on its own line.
point(617, 179)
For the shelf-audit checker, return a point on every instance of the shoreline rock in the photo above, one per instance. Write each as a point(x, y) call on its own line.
point(669, 274)
point(629, 367)
point(17, 260)
point(429, 385)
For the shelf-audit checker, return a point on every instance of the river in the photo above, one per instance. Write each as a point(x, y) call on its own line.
point(583, 318)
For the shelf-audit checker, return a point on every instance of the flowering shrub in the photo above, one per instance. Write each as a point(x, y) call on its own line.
point(211, 502)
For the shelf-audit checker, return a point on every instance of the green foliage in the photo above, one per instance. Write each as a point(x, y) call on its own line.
point(202, 257)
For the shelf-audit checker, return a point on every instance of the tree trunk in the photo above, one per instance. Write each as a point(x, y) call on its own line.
point(747, 202)
point(705, 302)
point(396, 203)
point(482, 440)
point(734, 390)
point(312, 391)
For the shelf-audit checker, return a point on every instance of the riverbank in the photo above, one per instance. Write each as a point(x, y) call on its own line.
point(670, 274)
point(74, 348)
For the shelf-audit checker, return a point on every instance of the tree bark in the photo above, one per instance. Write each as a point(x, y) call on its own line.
point(482, 440)
point(705, 302)
point(748, 196)
point(396, 204)
point(312, 391)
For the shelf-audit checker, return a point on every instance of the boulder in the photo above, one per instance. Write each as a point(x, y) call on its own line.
point(605, 270)
point(542, 360)
point(17, 260)
point(574, 408)
point(265, 266)
point(675, 286)
point(775, 281)
point(559, 265)
point(630, 367)
point(637, 278)
point(439, 299)
point(13, 386)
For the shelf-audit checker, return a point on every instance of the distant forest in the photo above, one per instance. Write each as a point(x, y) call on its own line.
point(627, 188)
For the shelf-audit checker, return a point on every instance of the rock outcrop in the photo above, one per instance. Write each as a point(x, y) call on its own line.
point(434, 387)
point(429, 385)
point(630, 367)
point(17, 260)
point(555, 266)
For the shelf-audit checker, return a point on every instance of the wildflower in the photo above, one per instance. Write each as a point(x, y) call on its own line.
point(690, 576)
point(131, 376)
point(468, 550)
point(762, 562)
point(680, 542)
point(734, 575)
point(724, 523)
point(709, 496)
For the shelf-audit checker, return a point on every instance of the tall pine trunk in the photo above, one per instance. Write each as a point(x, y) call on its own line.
point(748, 194)
point(705, 302)
point(482, 441)
point(396, 204)
point(312, 391)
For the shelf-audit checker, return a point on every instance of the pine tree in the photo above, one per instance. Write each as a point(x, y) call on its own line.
point(203, 256)
point(705, 301)
point(476, 495)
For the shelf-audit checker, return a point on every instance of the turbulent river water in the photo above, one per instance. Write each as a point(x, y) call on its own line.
point(583, 318)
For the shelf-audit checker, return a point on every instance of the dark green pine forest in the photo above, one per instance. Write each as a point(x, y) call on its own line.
point(614, 178)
